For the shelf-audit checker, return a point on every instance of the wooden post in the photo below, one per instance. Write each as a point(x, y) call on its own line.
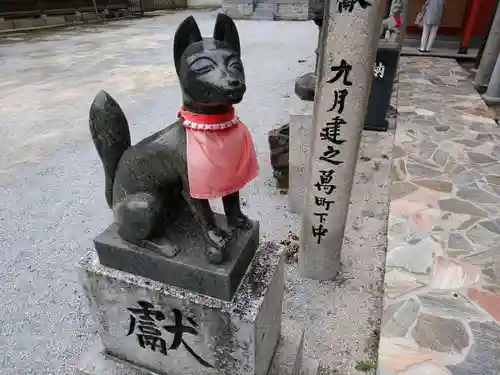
point(349, 42)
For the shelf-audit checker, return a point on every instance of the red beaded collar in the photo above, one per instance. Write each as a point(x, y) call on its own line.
point(217, 121)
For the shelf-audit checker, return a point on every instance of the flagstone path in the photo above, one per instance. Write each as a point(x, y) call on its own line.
point(442, 283)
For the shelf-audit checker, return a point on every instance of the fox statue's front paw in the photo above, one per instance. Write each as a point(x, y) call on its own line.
point(239, 221)
point(217, 241)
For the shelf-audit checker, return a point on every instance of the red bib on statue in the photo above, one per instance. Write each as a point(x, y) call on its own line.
point(220, 154)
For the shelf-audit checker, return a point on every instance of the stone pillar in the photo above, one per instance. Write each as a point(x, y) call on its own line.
point(492, 95)
point(489, 57)
point(402, 35)
point(351, 33)
point(485, 39)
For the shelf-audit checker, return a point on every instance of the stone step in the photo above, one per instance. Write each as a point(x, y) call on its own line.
point(77, 17)
point(6, 25)
point(86, 17)
point(54, 20)
point(267, 6)
point(415, 42)
point(25, 23)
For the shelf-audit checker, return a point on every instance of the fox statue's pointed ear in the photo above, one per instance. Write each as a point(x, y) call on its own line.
point(225, 31)
point(187, 33)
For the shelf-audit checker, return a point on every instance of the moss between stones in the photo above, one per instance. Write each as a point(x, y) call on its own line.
point(366, 366)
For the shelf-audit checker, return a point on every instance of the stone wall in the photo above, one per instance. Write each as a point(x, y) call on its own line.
point(289, 10)
point(204, 3)
point(238, 9)
point(44, 21)
point(152, 5)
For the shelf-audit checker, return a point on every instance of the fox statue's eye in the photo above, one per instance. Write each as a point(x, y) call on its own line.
point(236, 65)
point(202, 65)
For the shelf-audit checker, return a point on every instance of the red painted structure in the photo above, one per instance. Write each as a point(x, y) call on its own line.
point(462, 18)
point(469, 25)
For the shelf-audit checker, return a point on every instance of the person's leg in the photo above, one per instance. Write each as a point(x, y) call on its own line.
point(424, 38)
point(432, 36)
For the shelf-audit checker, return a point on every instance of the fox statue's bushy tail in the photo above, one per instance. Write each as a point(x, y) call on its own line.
point(111, 136)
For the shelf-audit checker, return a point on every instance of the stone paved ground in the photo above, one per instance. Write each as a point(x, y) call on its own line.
point(442, 283)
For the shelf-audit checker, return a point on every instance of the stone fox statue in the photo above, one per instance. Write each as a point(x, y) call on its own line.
point(206, 153)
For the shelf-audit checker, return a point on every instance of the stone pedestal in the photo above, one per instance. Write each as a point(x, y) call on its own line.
point(155, 328)
point(489, 56)
point(287, 359)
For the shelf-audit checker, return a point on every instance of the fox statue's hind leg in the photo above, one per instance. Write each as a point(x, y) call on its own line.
point(141, 221)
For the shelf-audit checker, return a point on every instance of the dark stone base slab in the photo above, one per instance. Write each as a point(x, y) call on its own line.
point(188, 269)
point(381, 126)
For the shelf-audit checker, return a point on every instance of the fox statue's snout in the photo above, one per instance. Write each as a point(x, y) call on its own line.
point(210, 70)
